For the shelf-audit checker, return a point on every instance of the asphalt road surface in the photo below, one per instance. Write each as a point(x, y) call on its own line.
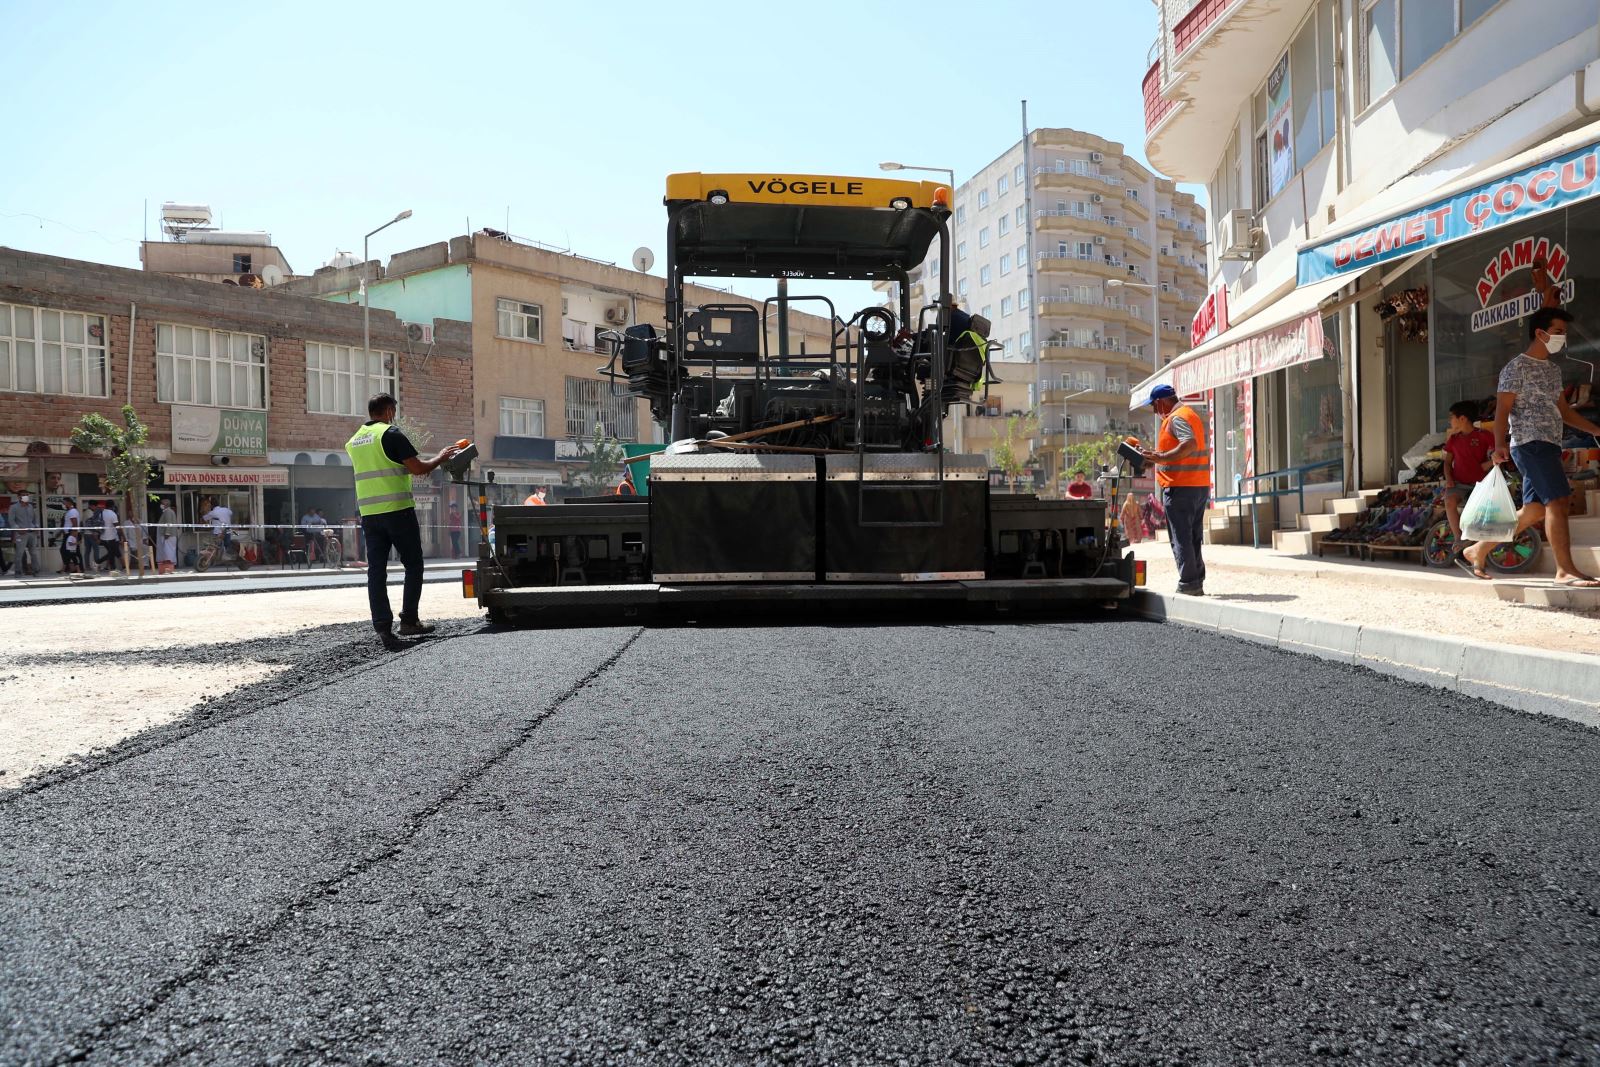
point(919, 844)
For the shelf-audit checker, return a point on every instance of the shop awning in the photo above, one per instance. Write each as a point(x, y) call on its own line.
point(1554, 175)
point(1286, 333)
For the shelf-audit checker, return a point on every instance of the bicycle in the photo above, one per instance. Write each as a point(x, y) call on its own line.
point(332, 549)
point(1509, 557)
point(242, 555)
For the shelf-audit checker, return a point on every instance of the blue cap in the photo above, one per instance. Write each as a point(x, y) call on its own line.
point(1162, 392)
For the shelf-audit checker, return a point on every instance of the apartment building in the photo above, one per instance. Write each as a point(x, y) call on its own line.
point(249, 394)
point(1395, 185)
point(1090, 269)
point(537, 314)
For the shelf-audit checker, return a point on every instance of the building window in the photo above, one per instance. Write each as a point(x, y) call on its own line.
point(43, 351)
point(1399, 36)
point(241, 263)
point(1025, 343)
point(519, 321)
point(1004, 225)
point(1022, 299)
point(984, 275)
point(961, 214)
point(1005, 265)
point(986, 310)
point(590, 404)
point(213, 367)
point(1005, 306)
point(1020, 174)
point(520, 417)
point(1003, 184)
point(983, 237)
point(961, 287)
point(1022, 256)
point(983, 199)
point(961, 250)
point(1022, 216)
point(1085, 249)
point(340, 379)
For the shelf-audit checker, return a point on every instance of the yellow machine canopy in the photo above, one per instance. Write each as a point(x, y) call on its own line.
point(801, 225)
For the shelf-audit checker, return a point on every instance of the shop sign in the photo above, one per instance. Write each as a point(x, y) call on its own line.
point(1280, 130)
point(1565, 180)
point(218, 431)
point(1287, 346)
point(1546, 260)
point(13, 468)
point(232, 476)
point(569, 450)
point(1211, 319)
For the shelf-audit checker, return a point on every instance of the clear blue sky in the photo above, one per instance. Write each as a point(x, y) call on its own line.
point(317, 122)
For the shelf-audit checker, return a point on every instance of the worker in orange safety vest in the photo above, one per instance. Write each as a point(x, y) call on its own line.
point(1183, 471)
point(626, 486)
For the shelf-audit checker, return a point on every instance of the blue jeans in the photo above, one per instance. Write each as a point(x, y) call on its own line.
point(397, 530)
point(1186, 525)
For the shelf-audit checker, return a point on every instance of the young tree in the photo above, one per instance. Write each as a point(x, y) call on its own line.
point(1087, 458)
point(604, 456)
point(1015, 449)
point(415, 432)
point(128, 472)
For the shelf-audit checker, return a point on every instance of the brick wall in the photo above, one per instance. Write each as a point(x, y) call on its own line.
point(435, 387)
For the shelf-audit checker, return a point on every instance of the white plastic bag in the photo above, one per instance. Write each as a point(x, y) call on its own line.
point(1490, 514)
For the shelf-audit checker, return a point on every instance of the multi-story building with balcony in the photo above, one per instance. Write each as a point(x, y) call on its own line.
point(1089, 269)
point(1394, 186)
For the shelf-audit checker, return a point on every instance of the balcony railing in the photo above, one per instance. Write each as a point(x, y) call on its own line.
point(1108, 179)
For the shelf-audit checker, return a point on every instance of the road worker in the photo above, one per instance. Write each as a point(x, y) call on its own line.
point(626, 487)
point(384, 460)
point(1183, 471)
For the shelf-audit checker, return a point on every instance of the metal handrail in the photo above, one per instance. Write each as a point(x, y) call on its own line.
point(1298, 489)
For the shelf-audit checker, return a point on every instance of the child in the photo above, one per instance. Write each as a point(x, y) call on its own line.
point(1467, 459)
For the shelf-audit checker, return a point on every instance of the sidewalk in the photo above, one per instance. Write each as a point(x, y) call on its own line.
point(48, 589)
point(1400, 596)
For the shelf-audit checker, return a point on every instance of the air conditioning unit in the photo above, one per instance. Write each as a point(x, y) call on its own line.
point(1096, 198)
point(1165, 288)
point(419, 333)
point(1237, 236)
point(1099, 240)
point(1097, 157)
point(617, 314)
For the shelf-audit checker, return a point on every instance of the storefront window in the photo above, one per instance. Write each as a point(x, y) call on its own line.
point(1315, 410)
point(1233, 407)
point(1484, 289)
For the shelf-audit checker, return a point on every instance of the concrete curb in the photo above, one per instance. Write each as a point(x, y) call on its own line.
point(1562, 684)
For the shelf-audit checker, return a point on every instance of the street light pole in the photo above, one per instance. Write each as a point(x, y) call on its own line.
point(366, 309)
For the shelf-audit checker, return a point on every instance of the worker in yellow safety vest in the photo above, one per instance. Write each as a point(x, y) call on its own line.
point(384, 460)
point(1183, 471)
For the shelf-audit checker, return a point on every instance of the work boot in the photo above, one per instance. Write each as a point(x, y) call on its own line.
point(416, 629)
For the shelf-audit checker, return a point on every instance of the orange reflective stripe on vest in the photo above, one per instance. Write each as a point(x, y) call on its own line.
point(1193, 469)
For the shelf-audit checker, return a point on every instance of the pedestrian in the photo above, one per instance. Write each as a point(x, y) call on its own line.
point(455, 522)
point(23, 519)
point(1079, 488)
point(385, 461)
point(1183, 471)
point(167, 534)
point(626, 487)
point(1467, 460)
point(1132, 520)
point(110, 539)
point(1528, 416)
point(220, 516)
point(71, 538)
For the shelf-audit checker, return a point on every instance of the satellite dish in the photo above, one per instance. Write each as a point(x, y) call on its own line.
point(272, 274)
point(643, 260)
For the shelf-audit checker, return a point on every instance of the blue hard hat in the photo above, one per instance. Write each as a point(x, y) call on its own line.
point(1162, 392)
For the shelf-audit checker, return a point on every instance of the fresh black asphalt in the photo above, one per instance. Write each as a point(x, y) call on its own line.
point(1092, 842)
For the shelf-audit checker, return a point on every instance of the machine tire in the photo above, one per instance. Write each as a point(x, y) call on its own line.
point(501, 617)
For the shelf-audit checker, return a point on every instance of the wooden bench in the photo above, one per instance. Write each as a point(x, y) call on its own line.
point(1395, 550)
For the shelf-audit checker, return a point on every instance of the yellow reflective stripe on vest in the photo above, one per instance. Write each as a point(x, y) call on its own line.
point(382, 485)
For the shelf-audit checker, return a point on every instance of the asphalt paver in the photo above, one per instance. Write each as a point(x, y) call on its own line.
point(1107, 842)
